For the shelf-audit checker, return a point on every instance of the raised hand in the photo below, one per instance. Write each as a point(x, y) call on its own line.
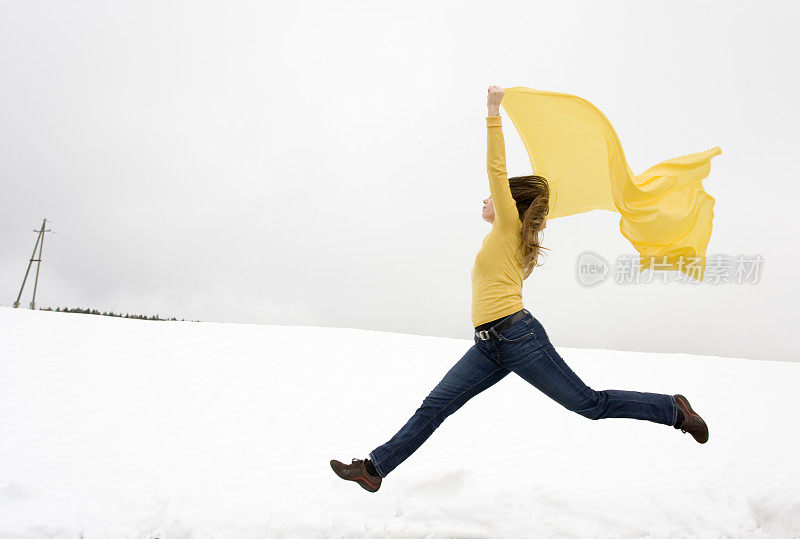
point(494, 97)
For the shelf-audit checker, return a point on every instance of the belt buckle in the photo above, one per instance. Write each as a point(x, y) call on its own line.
point(484, 334)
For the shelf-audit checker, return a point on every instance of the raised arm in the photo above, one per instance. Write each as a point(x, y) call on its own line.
point(505, 209)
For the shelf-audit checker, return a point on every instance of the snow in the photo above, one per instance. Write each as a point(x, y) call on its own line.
point(128, 428)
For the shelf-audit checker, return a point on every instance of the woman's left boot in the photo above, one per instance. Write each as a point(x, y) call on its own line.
point(357, 471)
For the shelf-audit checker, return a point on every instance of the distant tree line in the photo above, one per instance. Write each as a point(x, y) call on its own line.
point(107, 313)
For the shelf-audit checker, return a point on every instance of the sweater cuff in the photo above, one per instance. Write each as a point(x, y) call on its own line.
point(494, 121)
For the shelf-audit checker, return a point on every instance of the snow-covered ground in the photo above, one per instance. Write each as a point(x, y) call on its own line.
point(127, 428)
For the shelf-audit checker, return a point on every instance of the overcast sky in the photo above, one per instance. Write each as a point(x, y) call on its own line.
point(324, 163)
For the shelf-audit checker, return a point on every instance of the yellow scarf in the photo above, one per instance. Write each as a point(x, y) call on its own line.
point(666, 214)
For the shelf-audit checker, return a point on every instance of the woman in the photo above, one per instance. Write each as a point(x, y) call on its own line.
point(508, 338)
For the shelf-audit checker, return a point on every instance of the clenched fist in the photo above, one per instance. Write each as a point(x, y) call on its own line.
point(493, 99)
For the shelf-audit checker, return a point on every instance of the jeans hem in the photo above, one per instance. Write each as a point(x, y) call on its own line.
point(674, 410)
point(375, 463)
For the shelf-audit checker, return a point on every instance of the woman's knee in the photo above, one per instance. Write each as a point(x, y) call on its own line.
point(591, 406)
point(435, 411)
point(593, 413)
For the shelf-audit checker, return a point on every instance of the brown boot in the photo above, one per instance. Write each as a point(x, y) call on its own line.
point(692, 423)
point(356, 471)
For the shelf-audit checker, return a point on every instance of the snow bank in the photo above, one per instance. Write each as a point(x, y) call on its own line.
point(127, 428)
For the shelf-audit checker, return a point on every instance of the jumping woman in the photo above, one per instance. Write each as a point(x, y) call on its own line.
point(508, 338)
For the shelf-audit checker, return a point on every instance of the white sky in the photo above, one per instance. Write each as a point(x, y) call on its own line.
point(324, 163)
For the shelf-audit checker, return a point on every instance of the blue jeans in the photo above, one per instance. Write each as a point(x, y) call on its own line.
point(525, 349)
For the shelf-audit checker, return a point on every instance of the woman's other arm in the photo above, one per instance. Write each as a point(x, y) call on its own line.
point(505, 209)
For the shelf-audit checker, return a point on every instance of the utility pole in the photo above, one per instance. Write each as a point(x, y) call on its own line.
point(40, 244)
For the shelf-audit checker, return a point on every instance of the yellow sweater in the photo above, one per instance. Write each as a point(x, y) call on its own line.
point(497, 273)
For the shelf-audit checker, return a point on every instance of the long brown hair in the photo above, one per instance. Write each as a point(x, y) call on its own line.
point(532, 195)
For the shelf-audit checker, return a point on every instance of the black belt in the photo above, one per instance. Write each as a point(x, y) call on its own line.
point(502, 325)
